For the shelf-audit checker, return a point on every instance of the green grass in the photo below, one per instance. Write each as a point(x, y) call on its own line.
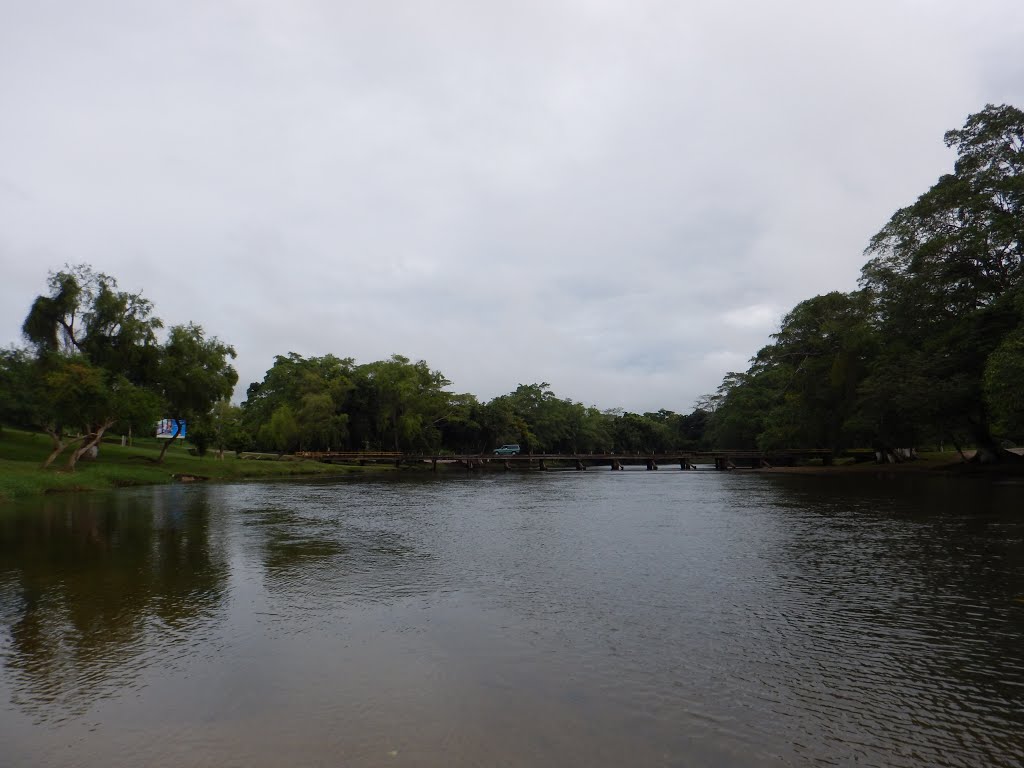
point(22, 453)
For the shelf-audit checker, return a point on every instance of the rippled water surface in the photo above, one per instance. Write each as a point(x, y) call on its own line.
point(557, 619)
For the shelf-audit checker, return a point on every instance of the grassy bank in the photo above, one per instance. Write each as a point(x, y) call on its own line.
point(22, 453)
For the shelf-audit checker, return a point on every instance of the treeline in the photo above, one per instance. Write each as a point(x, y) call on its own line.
point(94, 365)
point(930, 349)
point(330, 403)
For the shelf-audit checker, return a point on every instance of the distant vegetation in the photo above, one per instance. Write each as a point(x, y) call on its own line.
point(929, 350)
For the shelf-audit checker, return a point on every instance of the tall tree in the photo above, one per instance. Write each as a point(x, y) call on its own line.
point(98, 346)
point(318, 392)
point(943, 271)
point(194, 373)
point(818, 359)
point(407, 400)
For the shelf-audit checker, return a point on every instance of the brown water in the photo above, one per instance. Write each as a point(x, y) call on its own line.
point(559, 619)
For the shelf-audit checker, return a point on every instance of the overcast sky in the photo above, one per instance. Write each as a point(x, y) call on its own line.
point(619, 198)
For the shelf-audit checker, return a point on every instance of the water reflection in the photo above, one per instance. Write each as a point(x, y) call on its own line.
point(570, 619)
point(896, 618)
point(96, 589)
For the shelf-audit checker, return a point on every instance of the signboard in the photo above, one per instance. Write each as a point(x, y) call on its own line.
point(169, 428)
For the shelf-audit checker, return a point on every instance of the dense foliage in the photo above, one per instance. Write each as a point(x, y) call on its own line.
point(931, 348)
point(329, 403)
point(94, 362)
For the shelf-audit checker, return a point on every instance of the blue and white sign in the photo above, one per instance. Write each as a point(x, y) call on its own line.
point(170, 428)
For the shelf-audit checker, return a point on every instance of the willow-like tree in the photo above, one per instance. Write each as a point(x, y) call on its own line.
point(96, 356)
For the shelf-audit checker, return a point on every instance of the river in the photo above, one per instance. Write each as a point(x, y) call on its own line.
point(546, 619)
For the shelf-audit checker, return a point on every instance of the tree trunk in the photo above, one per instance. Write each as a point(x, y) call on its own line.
point(91, 440)
point(167, 443)
point(959, 450)
point(988, 450)
point(163, 449)
point(58, 446)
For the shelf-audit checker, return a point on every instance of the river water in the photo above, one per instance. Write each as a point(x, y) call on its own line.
point(547, 619)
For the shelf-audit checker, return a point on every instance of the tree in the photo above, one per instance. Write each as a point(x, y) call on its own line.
point(96, 354)
point(282, 431)
point(818, 359)
point(194, 373)
point(19, 401)
point(943, 272)
point(1004, 384)
point(403, 404)
point(318, 390)
point(744, 400)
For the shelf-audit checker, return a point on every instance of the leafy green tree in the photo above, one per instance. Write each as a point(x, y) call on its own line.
point(466, 428)
point(592, 431)
point(319, 391)
point(942, 271)
point(1004, 384)
point(19, 392)
point(744, 401)
point(819, 358)
point(692, 430)
point(97, 353)
point(194, 373)
point(222, 429)
point(538, 420)
point(282, 431)
point(406, 403)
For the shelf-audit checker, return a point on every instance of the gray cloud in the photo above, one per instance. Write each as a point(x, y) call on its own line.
point(621, 200)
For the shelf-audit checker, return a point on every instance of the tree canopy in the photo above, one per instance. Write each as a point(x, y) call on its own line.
point(929, 347)
point(94, 360)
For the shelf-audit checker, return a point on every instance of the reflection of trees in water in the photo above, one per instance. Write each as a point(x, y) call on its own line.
point(914, 580)
point(287, 552)
point(92, 589)
point(314, 563)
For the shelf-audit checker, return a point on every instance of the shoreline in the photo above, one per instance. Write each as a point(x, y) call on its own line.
point(22, 453)
point(22, 476)
point(922, 467)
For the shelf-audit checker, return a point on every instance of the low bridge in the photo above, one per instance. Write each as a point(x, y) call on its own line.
point(685, 460)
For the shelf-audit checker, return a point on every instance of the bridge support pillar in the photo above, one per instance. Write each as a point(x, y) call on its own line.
point(433, 466)
point(543, 467)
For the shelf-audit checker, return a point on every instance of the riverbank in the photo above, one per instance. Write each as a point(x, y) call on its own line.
point(22, 453)
point(948, 463)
